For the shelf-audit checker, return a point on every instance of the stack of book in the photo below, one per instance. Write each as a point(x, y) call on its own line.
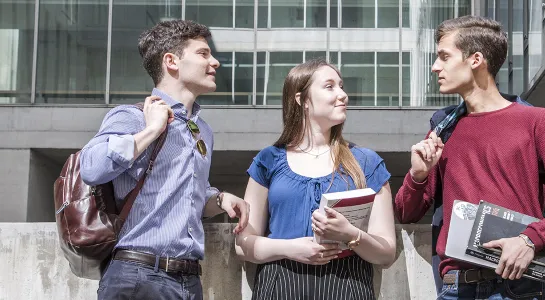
point(493, 222)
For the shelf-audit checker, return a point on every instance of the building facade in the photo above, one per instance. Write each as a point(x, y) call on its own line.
point(67, 62)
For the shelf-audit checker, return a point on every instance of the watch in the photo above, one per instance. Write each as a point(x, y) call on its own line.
point(528, 242)
point(354, 243)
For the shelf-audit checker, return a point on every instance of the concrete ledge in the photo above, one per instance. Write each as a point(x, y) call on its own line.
point(33, 266)
point(71, 127)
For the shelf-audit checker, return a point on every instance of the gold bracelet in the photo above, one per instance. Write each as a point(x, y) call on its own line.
point(354, 243)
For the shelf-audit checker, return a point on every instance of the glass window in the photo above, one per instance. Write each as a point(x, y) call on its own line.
point(503, 76)
point(262, 13)
point(432, 96)
point(535, 38)
point(406, 79)
point(287, 14)
point(334, 58)
point(333, 14)
point(429, 16)
point(16, 48)
point(72, 42)
point(244, 11)
point(316, 13)
point(406, 14)
point(314, 54)
point(129, 81)
point(244, 62)
point(388, 14)
point(358, 14)
point(517, 15)
point(464, 7)
point(358, 70)
point(387, 78)
point(280, 63)
point(208, 12)
point(224, 84)
point(518, 81)
point(260, 77)
point(438, 12)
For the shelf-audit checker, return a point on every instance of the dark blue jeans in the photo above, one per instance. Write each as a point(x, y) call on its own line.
point(495, 289)
point(131, 280)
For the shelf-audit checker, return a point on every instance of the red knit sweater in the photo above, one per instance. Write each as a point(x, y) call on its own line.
point(491, 156)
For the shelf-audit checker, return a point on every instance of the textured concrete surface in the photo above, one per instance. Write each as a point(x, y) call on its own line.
point(65, 127)
point(14, 184)
point(33, 266)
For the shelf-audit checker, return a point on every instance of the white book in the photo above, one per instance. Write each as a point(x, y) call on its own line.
point(354, 205)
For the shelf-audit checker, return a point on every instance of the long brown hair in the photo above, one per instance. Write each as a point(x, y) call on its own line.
point(296, 121)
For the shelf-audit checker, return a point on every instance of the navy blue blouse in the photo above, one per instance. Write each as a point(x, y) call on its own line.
point(293, 197)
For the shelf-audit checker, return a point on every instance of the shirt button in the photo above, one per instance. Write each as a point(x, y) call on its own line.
point(193, 202)
point(190, 229)
point(195, 175)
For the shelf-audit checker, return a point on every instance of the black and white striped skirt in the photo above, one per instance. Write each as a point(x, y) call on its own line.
point(347, 278)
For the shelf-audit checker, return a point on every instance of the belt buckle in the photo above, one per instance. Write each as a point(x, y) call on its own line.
point(167, 262)
point(479, 277)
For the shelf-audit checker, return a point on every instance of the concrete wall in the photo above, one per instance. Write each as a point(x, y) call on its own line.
point(34, 267)
point(14, 184)
point(42, 174)
point(36, 150)
point(235, 128)
point(228, 173)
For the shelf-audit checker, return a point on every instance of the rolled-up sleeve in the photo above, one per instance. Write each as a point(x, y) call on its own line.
point(121, 149)
point(111, 151)
point(211, 191)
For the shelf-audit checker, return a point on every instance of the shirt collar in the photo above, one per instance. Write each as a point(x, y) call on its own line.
point(178, 108)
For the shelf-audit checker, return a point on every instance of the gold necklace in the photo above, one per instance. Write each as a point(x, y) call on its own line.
point(315, 155)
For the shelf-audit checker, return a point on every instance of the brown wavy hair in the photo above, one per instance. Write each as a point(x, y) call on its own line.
point(477, 34)
point(296, 121)
point(167, 36)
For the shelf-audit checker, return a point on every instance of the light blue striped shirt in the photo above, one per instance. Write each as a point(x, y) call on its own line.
point(166, 216)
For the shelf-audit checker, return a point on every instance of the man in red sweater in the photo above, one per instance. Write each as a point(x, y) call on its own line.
point(492, 155)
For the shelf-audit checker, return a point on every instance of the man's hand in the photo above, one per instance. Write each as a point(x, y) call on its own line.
point(157, 114)
point(236, 207)
point(515, 257)
point(424, 156)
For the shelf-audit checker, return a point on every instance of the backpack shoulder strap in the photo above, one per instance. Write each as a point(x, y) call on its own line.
point(131, 196)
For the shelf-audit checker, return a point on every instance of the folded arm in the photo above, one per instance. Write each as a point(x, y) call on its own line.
point(252, 246)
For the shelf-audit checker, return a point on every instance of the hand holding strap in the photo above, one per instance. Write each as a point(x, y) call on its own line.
point(131, 196)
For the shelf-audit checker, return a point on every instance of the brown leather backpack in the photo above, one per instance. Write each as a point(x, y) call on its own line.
point(88, 221)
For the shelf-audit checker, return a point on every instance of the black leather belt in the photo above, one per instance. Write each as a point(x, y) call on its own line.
point(470, 276)
point(172, 265)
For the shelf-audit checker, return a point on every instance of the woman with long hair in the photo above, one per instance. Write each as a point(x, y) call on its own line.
point(286, 183)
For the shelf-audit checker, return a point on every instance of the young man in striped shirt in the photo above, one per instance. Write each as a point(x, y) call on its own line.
point(162, 241)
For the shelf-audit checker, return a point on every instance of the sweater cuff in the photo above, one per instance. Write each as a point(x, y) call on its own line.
point(534, 236)
point(409, 181)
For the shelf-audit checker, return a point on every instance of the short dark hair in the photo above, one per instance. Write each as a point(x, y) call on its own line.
point(167, 36)
point(477, 34)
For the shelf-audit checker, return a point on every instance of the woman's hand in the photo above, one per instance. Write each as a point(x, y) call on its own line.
point(333, 226)
point(306, 251)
